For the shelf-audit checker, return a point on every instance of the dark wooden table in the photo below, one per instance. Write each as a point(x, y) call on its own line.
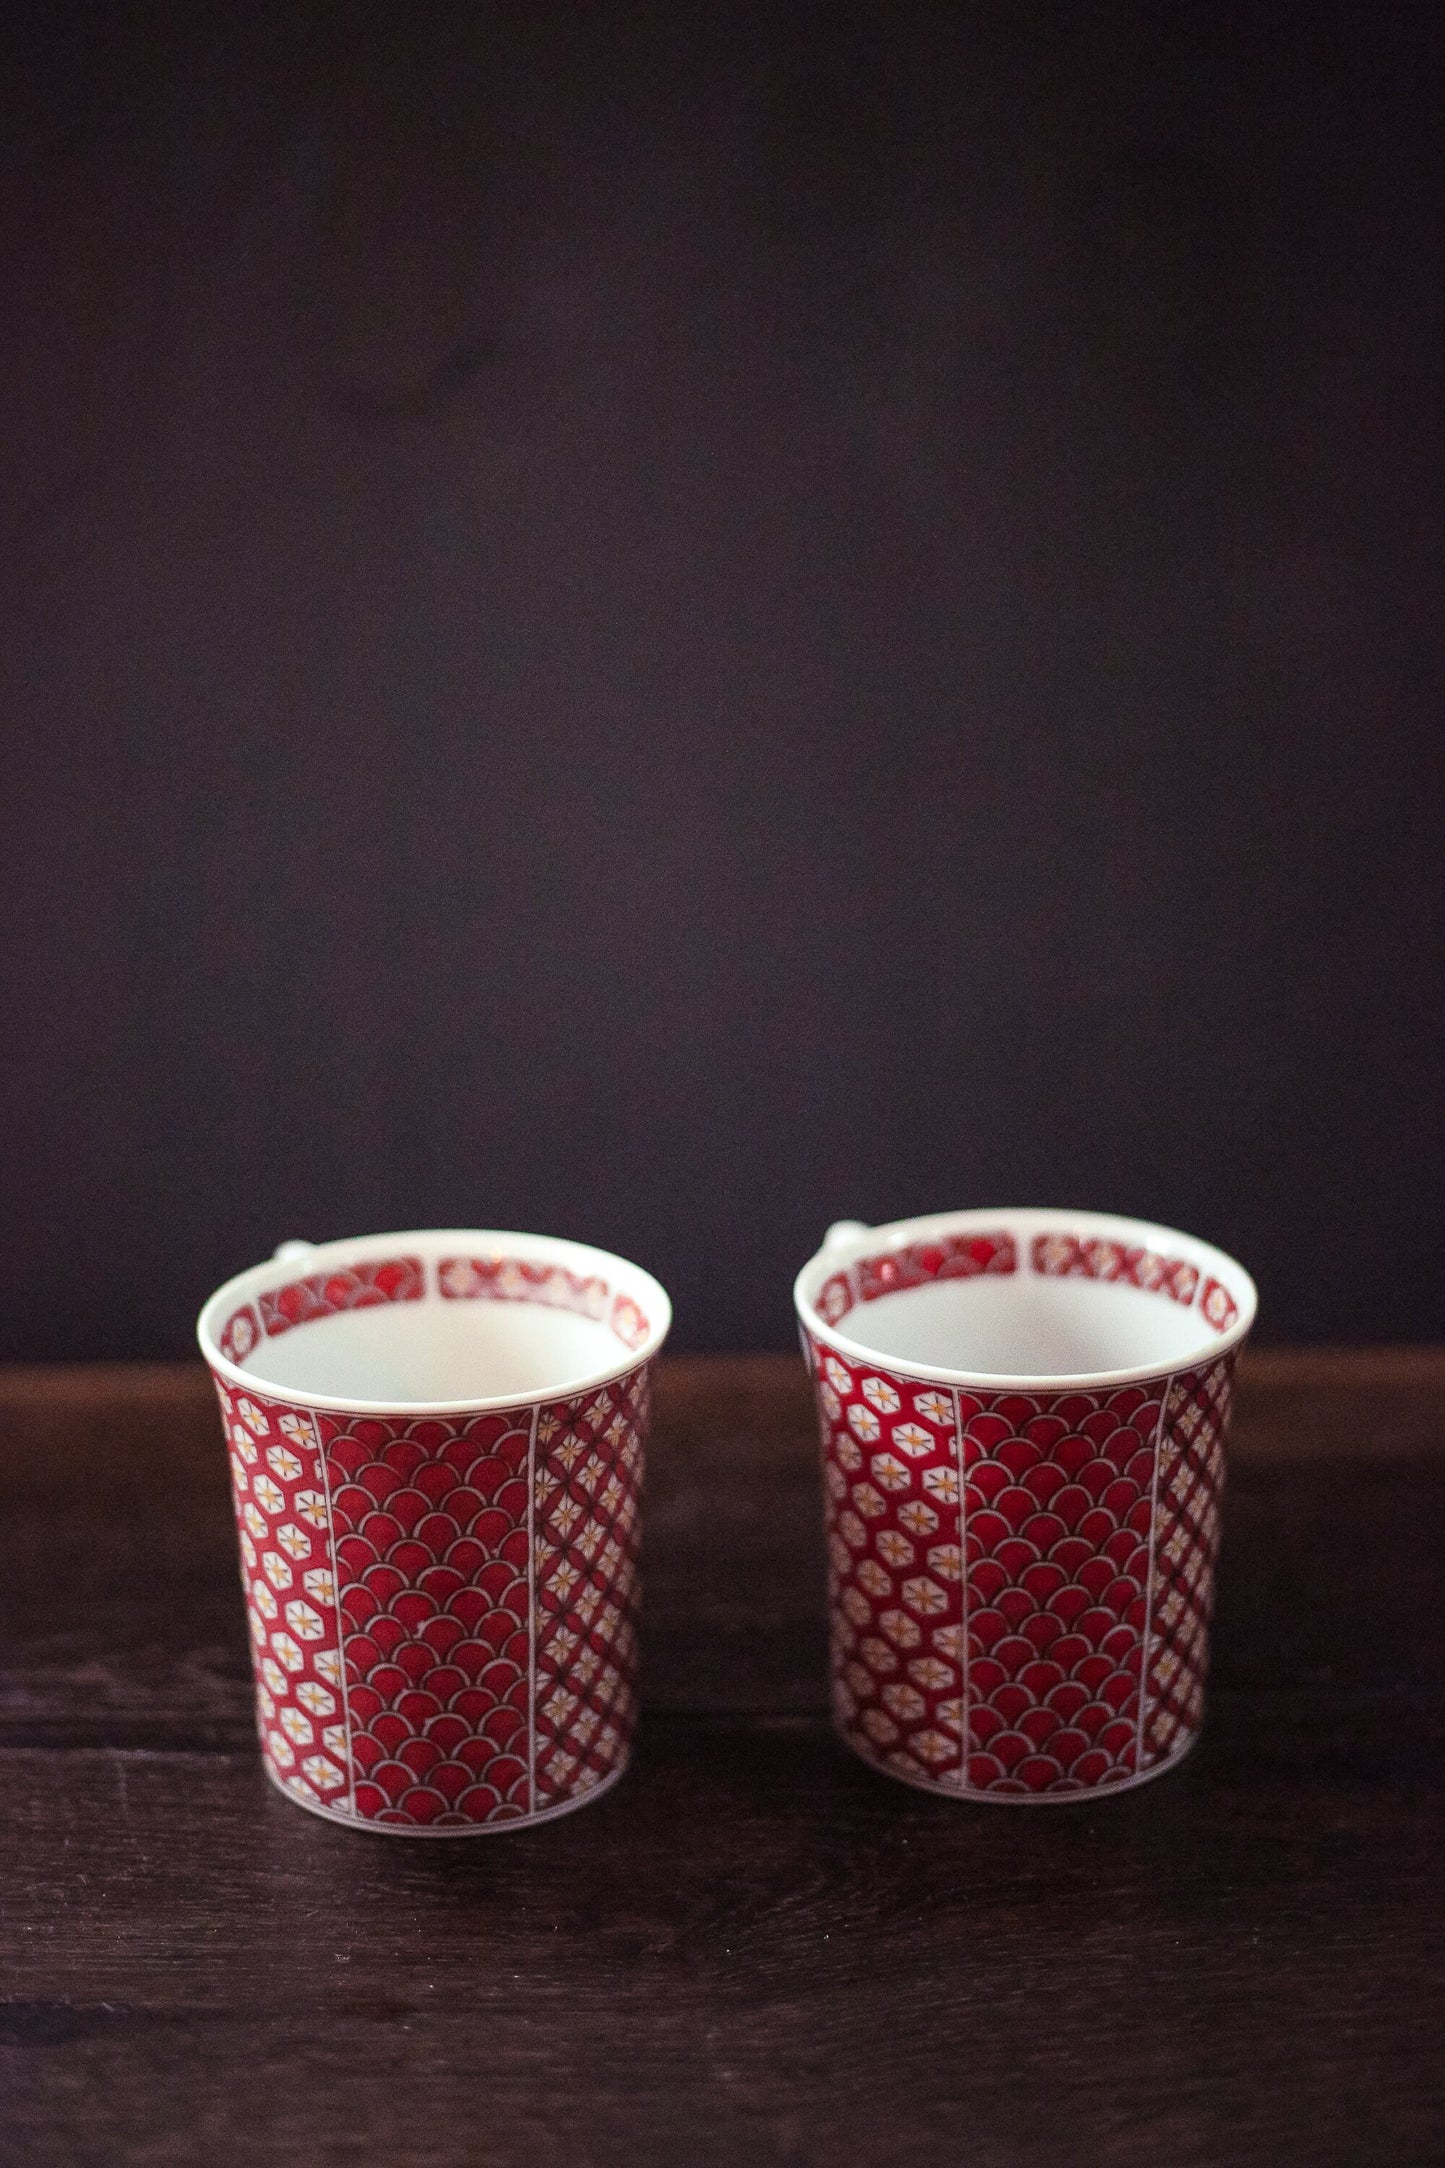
point(753, 1950)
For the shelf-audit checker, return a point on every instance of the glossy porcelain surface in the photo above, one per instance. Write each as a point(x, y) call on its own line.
point(436, 1444)
point(1022, 1418)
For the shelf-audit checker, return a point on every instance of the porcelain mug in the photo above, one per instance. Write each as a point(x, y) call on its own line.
point(436, 1445)
point(1023, 1417)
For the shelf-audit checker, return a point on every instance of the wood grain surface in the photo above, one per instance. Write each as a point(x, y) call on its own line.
point(753, 1950)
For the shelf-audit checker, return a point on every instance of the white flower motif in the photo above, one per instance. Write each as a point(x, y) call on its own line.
point(304, 1622)
point(863, 1423)
point(934, 1407)
point(252, 1417)
point(877, 1655)
point(558, 1707)
point(263, 1599)
point(890, 1472)
point(243, 1445)
point(847, 1453)
point(293, 1540)
point(880, 1728)
point(881, 1395)
point(838, 1377)
point(857, 1607)
point(561, 1645)
point(323, 1774)
point(946, 1560)
point(893, 1547)
point(930, 1673)
point(283, 1463)
point(902, 1631)
point(942, 1483)
point(933, 1746)
point(257, 1625)
point(872, 1577)
point(564, 1579)
point(298, 1429)
point(248, 1551)
point(919, 1519)
point(328, 1663)
point(1055, 1252)
point(869, 1502)
point(265, 1704)
point(243, 1335)
point(311, 1506)
point(266, 1494)
point(288, 1652)
point(565, 1515)
point(276, 1570)
point(334, 1740)
point(254, 1520)
point(282, 1751)
point(274, 1676)
point(832, 1405)
point(296, 1727)
point(839, 1556)
point(948, 1640)
point(317, 1582)
point(851, 1529)
point(921, 1595)
point(913, 1439)
point(315, 1698)
point(904, 1702)
point(836, 1481)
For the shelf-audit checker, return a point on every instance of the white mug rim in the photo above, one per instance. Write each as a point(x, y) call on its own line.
point(841, 1250)
point(430, 1243)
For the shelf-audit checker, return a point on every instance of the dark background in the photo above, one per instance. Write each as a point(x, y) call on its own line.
point(664, 627)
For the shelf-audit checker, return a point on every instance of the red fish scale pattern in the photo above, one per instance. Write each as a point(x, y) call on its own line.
point(415, 1668)
point(587, 1525)
point(431, 1550)
point(990, 1579)
point(1186, 1548)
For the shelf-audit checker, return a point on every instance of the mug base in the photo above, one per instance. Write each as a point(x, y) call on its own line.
point(475, 1829)
point(971, 1798)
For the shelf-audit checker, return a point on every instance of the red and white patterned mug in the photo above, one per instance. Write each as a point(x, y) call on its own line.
point(436, 1445)
point(1023, 1419)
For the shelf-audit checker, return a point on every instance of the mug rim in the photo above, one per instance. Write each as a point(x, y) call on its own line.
point(277, 1270)
point(843, 1250)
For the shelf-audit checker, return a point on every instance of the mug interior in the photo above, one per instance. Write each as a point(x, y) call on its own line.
point(435, 1320)
point(1020, 1296)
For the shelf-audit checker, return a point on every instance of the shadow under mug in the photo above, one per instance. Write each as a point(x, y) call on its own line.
point(436, 1445)
point(1022, 1417)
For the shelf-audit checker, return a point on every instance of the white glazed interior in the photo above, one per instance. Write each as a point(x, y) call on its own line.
point(1024, 1327)
point(436, 1354)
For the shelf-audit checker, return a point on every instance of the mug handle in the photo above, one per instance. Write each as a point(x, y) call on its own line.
point(843, 1231)
point(285, 1252)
